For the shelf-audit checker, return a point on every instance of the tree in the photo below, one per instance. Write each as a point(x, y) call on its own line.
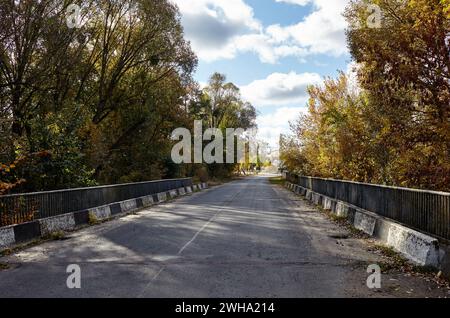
point(405, 70)
point(395, 129)
point(221, 106)
point(86, 96)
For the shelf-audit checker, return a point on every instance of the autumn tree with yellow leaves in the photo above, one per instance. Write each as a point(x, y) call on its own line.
point(396, 128)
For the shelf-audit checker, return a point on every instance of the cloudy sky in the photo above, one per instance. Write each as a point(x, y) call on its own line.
point(271, 49)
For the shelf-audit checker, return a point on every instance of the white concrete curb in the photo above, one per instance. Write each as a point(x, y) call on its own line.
point(128, 205)
point(173, 194)
point(42, 228)
point(147, 201)
point(101, 213)
point(419, 248)
point(162, 197)
point(7, 237)
point(65, 222)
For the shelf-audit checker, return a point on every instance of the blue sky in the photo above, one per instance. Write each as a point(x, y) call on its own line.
point(271, 49)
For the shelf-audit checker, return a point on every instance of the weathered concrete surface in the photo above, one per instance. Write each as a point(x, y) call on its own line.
point(101, 213)
point(309, 195)
point(365, 222)
point(417, 247)
point(7, 237)
point(341, 209)
point(147, 200)
point(162, 197)
point(181, 191)
point(327, 204)
point(243, 239)
point(173, 194)
point(420, 248)
point(65, 222)
point(128, 205)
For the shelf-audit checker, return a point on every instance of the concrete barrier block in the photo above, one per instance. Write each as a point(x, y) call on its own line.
point(205, 185)
point(147, 200)
point(128, 205)
point(317, 199)
point(199, 187)
point(194, 188)
point(101, 213)
point(327, 204)
point(7, 237)
point(341, 209)
point(65, 222)
point(415, 246)
point(309, 195)
point(365, 222)
point(181, 191)
point(173, 194)
point(189, 190)
point(162, 197)
point(303, 192)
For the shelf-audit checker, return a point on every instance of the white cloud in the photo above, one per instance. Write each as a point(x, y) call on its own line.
point(283, 91)
point(298, 2)
point(352, 77)
point(280, 89)
point(221, 29)
point(271, 125)
point(212, 26)
point(321, 32)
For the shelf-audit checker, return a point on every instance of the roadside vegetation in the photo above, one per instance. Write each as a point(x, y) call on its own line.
point(277, 180)
point(97, 104)
point(389, 122)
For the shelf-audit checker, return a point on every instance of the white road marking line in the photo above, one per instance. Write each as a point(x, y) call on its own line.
point(198, 232)
point(191, 240)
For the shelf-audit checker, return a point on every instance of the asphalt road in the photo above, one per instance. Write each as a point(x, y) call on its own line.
point(247, 238)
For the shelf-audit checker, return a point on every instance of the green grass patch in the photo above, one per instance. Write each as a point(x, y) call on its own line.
point(425, 269)
point(92, 219)
point(3, 266)
point(277, 180)
point(394, 260)
point(57, 236)
point(6, 252)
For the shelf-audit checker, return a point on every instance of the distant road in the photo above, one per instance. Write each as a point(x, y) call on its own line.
point(247, 238)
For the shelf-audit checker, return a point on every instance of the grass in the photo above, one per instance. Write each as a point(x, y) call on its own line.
point(394, 260)
point(6, 252)
point(398, 261)
point(57, 236)
point(3, 266)
point(277, 180)
point(20, 247)
point(426, 270)
point(92, 219)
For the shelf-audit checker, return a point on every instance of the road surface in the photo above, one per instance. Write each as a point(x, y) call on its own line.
point(247, 238)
